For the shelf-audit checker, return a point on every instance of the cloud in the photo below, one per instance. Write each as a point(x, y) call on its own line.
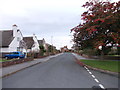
point(45, 18)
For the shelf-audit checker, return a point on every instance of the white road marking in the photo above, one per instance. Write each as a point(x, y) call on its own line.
point(96, 80)
point(85, 67)
point(88, 70)
point(101, 86)
point(90, 73)
point(93, 76)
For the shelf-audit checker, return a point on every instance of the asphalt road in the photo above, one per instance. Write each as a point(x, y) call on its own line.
point(58, 72)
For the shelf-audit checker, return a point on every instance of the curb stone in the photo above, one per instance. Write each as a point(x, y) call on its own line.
point(97, 69)
point(25, 67)
point(19, 70)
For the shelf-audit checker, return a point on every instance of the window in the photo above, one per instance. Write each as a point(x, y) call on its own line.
point(15, 53)
point(18, 48)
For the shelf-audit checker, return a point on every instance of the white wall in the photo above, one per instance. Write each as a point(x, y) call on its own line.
point(14, 44)
point(44, 44)
point(5, 50)
point(36, 44)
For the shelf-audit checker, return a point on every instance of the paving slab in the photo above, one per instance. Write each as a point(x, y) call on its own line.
point(80, 57)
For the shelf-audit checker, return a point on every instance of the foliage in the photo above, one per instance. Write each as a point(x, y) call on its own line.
point(50, 48)
point(42, 50)
point(41, 47)
point(92, 52)
point(100, 26)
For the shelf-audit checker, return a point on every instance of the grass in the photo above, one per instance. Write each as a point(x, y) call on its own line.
point(4, 60)
point(103, 64)
point(113, 55)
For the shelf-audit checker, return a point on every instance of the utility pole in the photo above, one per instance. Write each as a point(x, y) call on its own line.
point(52, 43)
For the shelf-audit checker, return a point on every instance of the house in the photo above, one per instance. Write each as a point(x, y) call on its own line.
point(32, 44)
point(51, 48)
point(42, 43)
point(64, 49)
point(12, 40)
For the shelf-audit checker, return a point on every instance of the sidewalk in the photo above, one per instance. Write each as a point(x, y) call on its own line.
point(14, 68)
point(80, 57)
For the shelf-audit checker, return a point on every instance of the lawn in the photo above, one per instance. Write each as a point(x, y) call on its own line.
point(113, 55)
point(103, 64)
point(3, 60)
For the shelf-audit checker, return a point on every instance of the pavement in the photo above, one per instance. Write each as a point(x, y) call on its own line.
point(81, 57)
point(61, 71)
point(15, 68)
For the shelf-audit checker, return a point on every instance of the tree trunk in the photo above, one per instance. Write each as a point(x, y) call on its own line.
point(102, 53)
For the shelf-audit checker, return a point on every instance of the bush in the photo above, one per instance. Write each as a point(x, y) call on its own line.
point(90, 52)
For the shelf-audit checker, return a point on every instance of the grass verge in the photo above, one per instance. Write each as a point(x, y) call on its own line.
point(4, 60)
point(103, 64)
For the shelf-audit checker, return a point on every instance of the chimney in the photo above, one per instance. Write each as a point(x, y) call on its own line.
point(14, 28)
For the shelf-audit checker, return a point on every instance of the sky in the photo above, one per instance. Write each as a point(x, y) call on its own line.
point(48, 19)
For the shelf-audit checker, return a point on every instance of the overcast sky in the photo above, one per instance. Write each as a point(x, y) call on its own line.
point(44, 18)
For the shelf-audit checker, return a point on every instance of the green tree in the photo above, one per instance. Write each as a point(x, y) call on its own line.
point(50, 48)
point(42, 50)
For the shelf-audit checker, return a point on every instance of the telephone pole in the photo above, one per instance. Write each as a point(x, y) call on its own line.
point(52, 43)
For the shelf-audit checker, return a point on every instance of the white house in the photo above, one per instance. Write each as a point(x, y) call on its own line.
point(12, 40)
point(43, 43)
point(32, 43)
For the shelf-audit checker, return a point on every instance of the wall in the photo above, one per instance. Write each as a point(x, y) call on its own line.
point(36, 44)
point(14, 44)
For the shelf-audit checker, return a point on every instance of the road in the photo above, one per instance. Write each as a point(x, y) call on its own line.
point(58, 72)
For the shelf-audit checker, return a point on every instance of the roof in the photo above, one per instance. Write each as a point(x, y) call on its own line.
point(47, 44)
point(29, 42)
point(7, 37)
point(40, 42)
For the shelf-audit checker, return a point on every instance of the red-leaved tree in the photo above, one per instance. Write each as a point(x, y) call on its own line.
point(100, 27)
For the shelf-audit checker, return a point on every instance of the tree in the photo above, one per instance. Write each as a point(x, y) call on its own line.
point(50, 49)
point(100, 26)
point(42, 50)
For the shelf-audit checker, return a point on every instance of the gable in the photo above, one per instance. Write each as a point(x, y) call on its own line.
point(29, 42)
point(40, 42)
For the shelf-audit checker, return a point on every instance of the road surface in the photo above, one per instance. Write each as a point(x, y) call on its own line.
point(59, 72)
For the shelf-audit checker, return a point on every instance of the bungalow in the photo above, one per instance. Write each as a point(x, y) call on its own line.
point(42, 43)
point(51, 49)
point(12, 40)
point(32, 44)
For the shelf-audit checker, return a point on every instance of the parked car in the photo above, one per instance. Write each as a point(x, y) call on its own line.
point(16, 54)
